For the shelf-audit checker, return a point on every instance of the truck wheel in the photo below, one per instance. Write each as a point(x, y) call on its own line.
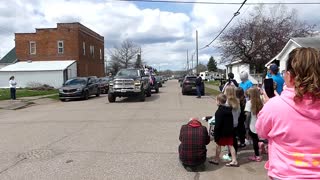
point(142, 96)
point(98, 92)
point(149, 92)
point(86, 95)
point(111, 98)
point(157, 90)
point(184, 93)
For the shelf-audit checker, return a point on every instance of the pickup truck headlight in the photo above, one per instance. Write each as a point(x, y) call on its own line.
point(137, 83)
point(61, 90)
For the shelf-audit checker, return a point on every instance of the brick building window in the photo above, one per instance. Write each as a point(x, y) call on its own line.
point(100, 54)
point(33, 47)
point(92, 50)
point(84, 48)
point(60, 47)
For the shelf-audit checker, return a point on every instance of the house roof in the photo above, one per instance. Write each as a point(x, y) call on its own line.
point(235, 62)
point(10, 57)
point(38, 66)
point(313, 42)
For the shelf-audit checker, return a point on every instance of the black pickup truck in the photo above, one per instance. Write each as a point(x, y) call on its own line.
point(129, 82)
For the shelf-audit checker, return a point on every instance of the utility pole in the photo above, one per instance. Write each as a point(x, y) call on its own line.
point(197, 51)
point(187, 61)
point(192, 63)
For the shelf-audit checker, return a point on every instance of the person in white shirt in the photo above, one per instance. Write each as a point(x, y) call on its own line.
point(12, 85)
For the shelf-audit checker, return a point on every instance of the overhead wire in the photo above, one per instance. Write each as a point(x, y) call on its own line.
point(234, 15)
point(227, 3)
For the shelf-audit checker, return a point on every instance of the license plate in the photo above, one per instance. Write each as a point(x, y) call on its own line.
point(194, 87)
point(123, 90)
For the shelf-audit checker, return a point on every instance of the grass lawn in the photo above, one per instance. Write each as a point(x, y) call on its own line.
point(5, 93)
point(215, 83)
point(211, 92)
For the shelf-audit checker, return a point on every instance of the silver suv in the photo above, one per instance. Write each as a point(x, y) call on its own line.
point(129, 82)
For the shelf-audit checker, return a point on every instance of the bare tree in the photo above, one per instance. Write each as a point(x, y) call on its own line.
point(259, 38)
point(125, 54)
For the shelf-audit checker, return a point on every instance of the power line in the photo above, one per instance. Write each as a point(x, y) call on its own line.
point(221, 3)
point(234, 15)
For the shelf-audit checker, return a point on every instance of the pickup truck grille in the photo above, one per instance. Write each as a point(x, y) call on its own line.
point(124, 82)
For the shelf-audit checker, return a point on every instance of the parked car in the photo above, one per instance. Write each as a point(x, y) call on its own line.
point(129, 82)
point(103, 84)
point(79, 88)
point(189, 85)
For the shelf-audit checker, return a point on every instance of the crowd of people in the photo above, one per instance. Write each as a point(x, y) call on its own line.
point(245, 111)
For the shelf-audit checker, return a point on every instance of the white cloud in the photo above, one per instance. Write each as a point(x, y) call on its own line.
point(164, 36)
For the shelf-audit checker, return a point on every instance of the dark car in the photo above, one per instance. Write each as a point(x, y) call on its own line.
point(189, 85)
point(104, 84)
point(79, 88)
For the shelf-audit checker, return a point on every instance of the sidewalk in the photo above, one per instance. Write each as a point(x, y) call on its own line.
point(21, 102)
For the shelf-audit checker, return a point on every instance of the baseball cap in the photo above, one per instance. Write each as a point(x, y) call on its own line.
point(274, 68)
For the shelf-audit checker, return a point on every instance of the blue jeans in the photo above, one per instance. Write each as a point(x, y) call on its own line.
point(198, 91)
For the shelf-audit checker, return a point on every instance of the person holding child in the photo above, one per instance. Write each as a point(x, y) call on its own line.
point(223, 131)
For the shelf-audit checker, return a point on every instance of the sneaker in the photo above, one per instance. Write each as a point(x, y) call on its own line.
point(226, 157)
point(255, 158)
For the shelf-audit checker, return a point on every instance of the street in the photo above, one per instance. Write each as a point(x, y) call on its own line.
point(93, 140)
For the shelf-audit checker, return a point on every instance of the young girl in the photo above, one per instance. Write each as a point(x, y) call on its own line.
point(234, 103)
point(241, 126)
point(253, 106)
point(223, 131)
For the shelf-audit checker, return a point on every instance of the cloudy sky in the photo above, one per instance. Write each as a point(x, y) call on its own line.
point(165, 31)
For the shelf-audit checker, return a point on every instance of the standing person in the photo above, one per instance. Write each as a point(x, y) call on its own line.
point(291, 121)
point(275, 75)
point(223, 131)
point(194, 138)
point(253, 106)
point(245, 83)
point(12, 85)
point(230, 82)
point(234, 103)
point(198, 85)
point(242, 118)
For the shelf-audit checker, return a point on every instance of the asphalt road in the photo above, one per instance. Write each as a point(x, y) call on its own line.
point(94, 140)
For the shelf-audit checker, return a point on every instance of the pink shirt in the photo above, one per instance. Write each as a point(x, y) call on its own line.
point(293, 131)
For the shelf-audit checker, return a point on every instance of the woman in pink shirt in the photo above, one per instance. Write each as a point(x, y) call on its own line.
point(291, 121)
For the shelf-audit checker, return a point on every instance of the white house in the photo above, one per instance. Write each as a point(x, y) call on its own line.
point(237, 67)
point(293, 43)
point(28, 73)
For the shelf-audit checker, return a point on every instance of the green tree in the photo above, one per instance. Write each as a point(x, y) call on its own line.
point(212, 64)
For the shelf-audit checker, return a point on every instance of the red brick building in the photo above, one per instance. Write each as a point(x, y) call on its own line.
point(69, 41)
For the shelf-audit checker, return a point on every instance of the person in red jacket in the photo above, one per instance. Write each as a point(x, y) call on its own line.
point(194, 138)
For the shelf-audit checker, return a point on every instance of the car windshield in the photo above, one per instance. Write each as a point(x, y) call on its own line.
point(127, 72)
point(191, 78)
point(76, 82)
